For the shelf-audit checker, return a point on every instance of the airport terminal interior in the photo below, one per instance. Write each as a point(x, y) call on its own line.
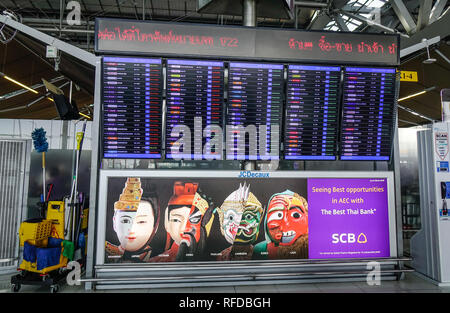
point(234, 147)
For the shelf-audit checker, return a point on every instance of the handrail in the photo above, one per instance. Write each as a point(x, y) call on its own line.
point(251, 275)
point(234, 264)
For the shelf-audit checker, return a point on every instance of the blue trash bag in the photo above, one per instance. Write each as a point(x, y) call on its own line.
point(29, 252)
point(47, 257)
point(54, 242)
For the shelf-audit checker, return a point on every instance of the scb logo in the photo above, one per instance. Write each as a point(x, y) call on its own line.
point(348, 238)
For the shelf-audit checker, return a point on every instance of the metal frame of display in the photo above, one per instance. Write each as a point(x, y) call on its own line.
point(189, 174)
point(96, 172)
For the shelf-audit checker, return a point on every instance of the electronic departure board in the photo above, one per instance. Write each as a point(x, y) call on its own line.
point(255, 100)
point(311, 124)
point(368, 113)
point(194, 97)
point(132, 107)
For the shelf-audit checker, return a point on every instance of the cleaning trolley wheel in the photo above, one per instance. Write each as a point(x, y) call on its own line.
point(54, 288)
point(15, 287)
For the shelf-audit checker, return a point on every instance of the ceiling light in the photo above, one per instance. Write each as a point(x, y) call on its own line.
point(411, 96)
point(416, 94)
point(84, 115)
point(18, 83)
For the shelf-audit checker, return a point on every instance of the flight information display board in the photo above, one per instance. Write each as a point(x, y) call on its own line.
point(132, 107)
point(255, 101)
point(194, 97)
point(311, 123)
point(368, 113)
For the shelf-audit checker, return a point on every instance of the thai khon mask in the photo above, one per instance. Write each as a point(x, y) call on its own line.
point(252, 212)
point(184, 214)
point(287, 218)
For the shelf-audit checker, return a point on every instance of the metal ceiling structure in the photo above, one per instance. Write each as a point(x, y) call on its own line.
point(24, 59)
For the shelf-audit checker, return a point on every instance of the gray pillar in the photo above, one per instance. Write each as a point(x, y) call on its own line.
point(249, 13)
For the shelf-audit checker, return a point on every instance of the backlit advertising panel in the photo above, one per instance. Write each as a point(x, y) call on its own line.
point(247, 216)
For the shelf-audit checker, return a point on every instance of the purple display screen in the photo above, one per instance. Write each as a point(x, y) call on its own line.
point(348, 218)
point(132, 107)
point(368, 114)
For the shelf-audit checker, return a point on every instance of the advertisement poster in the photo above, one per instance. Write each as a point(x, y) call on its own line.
point(349, 219)
point(162, 219)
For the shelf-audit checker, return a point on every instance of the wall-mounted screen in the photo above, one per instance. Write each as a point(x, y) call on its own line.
point(368, 111)
point(132, 107)
point(312, 106)
point(254, 112)
point(228, 217)
point(194, 100)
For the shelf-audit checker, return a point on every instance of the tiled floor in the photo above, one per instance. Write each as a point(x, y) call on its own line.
point(410, 284)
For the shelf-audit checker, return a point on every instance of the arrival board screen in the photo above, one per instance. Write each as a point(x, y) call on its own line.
point(194, 100)
point(368, 113)
point(132, 107)
point(255, 99)
point(311, 112)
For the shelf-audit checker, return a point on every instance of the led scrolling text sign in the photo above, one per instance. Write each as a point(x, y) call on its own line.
point(229, 42)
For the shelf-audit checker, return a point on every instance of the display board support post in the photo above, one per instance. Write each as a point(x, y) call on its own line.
point(95, 161)
point(395, 167)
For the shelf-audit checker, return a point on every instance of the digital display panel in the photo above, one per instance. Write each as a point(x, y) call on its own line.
point(311, 124)
point(132, 107)
point(254, 112)
point(368, 113)
point(250, 43)
point(194, 95)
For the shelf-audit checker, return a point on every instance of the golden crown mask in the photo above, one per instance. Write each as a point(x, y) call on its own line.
point(131, 195)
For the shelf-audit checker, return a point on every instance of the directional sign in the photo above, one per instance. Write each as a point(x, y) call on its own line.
point(408, 76)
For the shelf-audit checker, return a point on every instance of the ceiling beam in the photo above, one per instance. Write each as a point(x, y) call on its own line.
point(322, 19)
point(403, 15)
point(437, 9)
point(442, 56)
point(424, 14)
point(49, 40)
point(372, 23)
point(419, 46)
point(340, 22)
point(408, 122)
point(360, 10)
point(415, 113)
point(438, 28)
point(311, 4)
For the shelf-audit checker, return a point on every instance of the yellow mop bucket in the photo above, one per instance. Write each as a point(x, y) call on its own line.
point(35, 232)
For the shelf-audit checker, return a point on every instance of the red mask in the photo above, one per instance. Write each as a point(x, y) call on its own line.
point(287, 218)
point(193, 225)
point(185, 194)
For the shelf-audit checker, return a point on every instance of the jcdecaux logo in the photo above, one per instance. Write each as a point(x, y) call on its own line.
point(250, 174)
point(348, 238)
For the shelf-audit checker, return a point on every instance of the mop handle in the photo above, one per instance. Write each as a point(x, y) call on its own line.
point(43, 174)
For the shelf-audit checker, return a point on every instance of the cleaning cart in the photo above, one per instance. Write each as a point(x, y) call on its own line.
point(45, 258)
point(56, 238)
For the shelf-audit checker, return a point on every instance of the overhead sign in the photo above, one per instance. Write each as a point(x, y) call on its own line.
point(231, 42)
point(408, 76)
